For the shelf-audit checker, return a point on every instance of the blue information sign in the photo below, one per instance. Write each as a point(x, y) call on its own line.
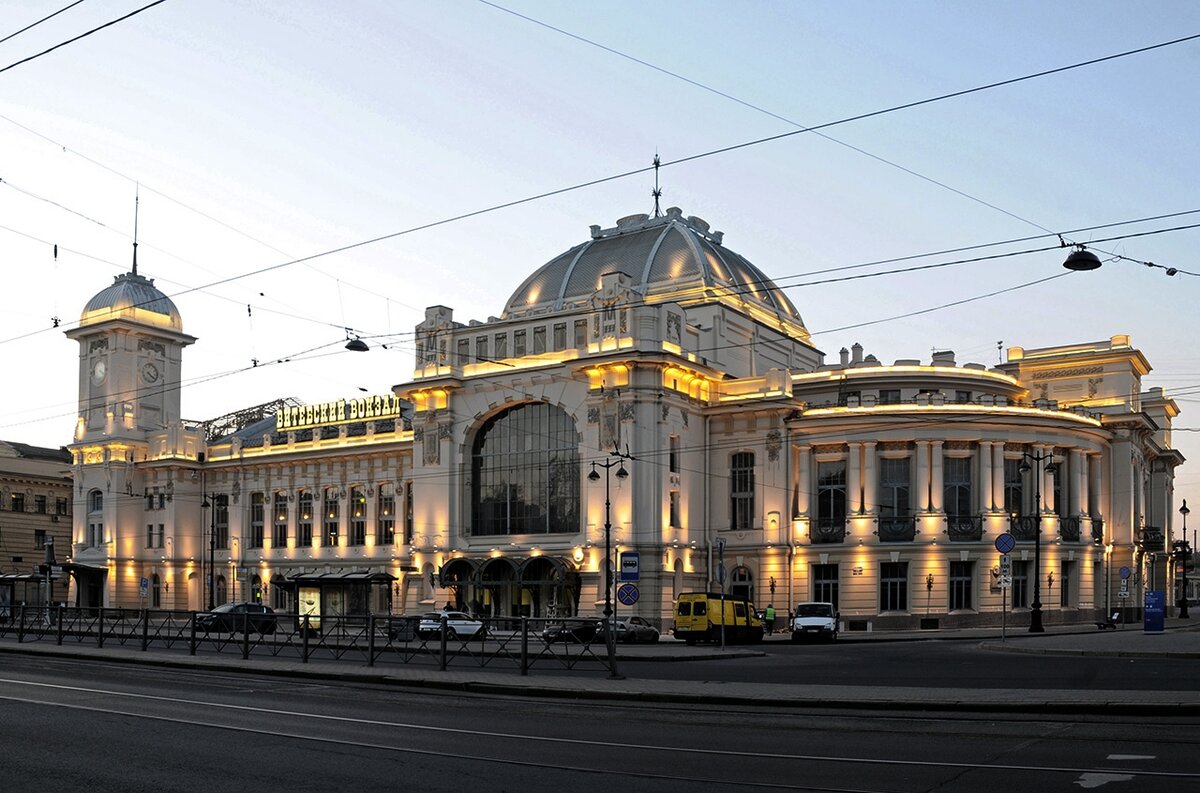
point(1156, 603)
point(630, 566)
point(1005, 543)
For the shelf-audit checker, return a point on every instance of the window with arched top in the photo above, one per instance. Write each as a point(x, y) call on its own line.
point(741, 583)
point(358, 516)
point(525, 472)
point(95, 519)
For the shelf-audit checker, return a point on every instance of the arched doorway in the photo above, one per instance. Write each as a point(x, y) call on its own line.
point(550, 587)
point(741, 583)
point(499, 595)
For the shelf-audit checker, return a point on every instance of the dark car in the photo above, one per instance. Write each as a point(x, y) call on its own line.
point(581, 631)
point(236, 617)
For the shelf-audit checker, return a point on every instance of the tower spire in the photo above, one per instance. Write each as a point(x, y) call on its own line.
point(657, 191)
point(135, 226)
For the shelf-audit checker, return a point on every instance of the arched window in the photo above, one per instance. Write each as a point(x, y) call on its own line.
point(358, 516)
point(95, 520)
point(525, 473)
point(741, 583)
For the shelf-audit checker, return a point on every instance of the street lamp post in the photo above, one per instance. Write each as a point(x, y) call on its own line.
point(210, 503)
point(609, 628)
point(1184, 558)
point(1041, 463)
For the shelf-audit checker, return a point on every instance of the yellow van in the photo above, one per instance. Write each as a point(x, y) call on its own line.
point(699, 618)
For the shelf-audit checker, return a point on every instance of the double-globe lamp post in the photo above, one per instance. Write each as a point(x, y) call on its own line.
point(1042, 464)
point(593, 476)
point(210, 503)
point(1185, 556)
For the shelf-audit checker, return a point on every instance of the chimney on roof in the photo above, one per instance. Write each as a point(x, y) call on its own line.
point(845, 357)
point(856, 353)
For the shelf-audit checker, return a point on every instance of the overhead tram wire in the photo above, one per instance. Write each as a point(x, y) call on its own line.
point(67, 7)
point(689, 158)
point(84, 35)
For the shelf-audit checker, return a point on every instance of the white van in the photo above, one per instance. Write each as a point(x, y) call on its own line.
point(815, 621)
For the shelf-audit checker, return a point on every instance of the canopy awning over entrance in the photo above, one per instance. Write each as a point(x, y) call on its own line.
point(504, 569)
point(340, 579)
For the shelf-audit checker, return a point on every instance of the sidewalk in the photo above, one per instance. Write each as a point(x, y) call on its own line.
point(1180, 640)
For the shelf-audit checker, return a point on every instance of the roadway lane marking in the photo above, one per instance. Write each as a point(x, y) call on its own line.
point(1131, 757)
point(534, 738)
point(1088, 781)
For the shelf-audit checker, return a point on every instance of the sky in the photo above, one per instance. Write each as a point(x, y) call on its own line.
point(355, 136)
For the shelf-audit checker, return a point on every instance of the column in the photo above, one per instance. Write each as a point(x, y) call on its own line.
point(870, 478)
point(998, 476)
point(804, 485)
point(1078, 483)
point(853, 480)
point(937, 480)
point(1094, 507)
point(985, 498)
point(922, 465)
point(1047, 481)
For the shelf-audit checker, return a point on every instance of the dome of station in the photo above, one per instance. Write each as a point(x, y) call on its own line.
point(666, 258)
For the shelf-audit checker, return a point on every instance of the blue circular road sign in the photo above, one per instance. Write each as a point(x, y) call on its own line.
point(1126, 572)
point(627, 594)
point(1005, 543)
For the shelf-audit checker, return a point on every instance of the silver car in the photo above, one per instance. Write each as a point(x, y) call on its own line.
point(459, 625)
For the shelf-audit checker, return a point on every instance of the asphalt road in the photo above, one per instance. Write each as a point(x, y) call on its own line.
point(949, 664)
point(71, 725)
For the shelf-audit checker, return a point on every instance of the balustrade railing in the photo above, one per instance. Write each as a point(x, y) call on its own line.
point(964, 528)
point(828, 531)
point(897, 528)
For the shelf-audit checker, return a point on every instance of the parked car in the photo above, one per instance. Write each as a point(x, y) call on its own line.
point(582, 630)
point(815, 621)
point(235, 617)
point(459, 625)
point(636, 630)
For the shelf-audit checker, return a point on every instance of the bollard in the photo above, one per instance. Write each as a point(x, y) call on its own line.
point(370, 640)
point(524, 646)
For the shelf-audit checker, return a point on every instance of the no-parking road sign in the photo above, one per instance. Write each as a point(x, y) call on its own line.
point(627, 594)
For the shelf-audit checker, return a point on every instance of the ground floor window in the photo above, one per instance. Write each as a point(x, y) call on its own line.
point(741, 585)
point(893, 586)
point(1020, 584)
point(825, 583)
point(1066, 584)
point(962, 581)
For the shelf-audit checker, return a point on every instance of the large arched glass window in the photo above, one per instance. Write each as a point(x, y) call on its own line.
point(525, 473)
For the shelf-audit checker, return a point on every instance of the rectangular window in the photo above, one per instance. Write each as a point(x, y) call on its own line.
point(539, 340)
point(39, 538)
point(1014, 488)
point(581, 333)
point(481, 348)
point(560, 336)
point(845, 396)
point(962, 397)
point(518, 343)
point(895, 508)
point(1059, 507)
point(673, 454)
point(257, 519)
point(501, 341)
point(1020, 584)
point(464, 352)
point(39, 505)
point(358, 517)
point(741, 491)
point(962, 584)
point(893, 586)
point(831, 492)
point(825, 583)
point(222, 521)
point(889, 396)
point(149, 501)
point(162, 500)
point(304, 524)
point(330, 514)
point(385, 518)
point(18, 502)
point(149, 535)
point(957, 486)
point(674, 509)
point(60, 506)
point(1065, 584)
point(279, 525)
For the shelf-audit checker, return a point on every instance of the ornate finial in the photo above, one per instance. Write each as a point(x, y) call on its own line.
point(135, 222)
point(657, 191)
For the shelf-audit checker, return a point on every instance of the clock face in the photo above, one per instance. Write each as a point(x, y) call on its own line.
point(99, 370)
point(149, 372)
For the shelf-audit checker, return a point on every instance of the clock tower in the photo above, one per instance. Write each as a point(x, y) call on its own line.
point(131, 342)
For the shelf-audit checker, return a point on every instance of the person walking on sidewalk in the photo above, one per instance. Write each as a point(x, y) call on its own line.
point(769, 619)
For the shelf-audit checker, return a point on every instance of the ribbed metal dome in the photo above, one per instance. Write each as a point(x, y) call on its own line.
point(665, 257)
point(132, 296)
